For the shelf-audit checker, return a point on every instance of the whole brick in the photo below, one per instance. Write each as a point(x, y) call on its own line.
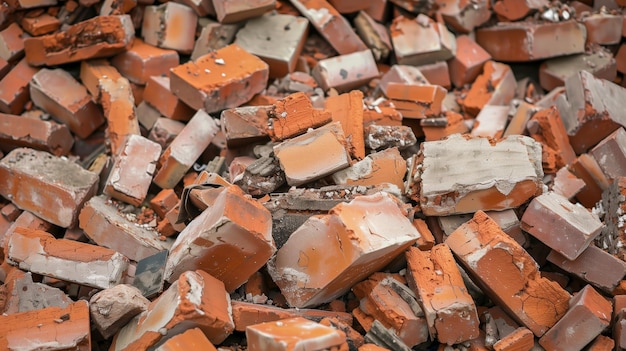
point(24, 172)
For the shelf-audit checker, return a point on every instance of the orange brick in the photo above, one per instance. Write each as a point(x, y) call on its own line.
point(191, 339)
point(119, 110)
point(495, 86)
point(37, 134)
point(520, 339)
point(41, 253)
point(407, 34)
point(41, 328)
point(236, 11)
point(12, 42)
point(437, 73)
point(24, 172)
point(416, 101)
point(170, 26)
point(331, 25)
point(183, 152)
point(315, 280)
point(92, 72)
point(15, 92)
point(602, 343)
point(210, 82)
point(508, 274)
point(438, 128)
point(327, 150)
point(294, 115)
point(143, 60)
point(468, 62)
point(348, 110)
point(587, 308)
point(292, 334)
point(247, 124)
point(385, 166)
point(346, 72)
point(196, 300)
point(230, 258)
point(159, 96)
point(464, 16)
point(116, 36)
point(58, 93)
point(436, 280)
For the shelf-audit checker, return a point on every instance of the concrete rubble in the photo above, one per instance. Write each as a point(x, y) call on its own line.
point(312, 175)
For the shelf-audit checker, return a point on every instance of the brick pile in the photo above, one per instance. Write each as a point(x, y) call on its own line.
point(312, 175)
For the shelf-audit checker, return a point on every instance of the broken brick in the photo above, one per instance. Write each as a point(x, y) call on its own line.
point(170, 26)
point(603, 28)
point(12, 43)
point(348, 110)
point(294, 115)
point(164, 131)
point(449, 309)
point(119, 110)
point(374, 35)
point(18, 131)
point(214, 36)
point(508, 274)
point(210, 81)
point(115, 35)
point(159, 96)
point(495, 86)
point(112, 308)
point(490, 122)
point(385, 166)
point(92, 72)
point(246, 124)
point(468, 62)
point(409, 35)
point(40, 252)
point(610, 154)
point(15, 92)
point(314, 280)
point(293, 334)
point(191, 339)
point(236, 11)
point(346, 72)
point(554, 72)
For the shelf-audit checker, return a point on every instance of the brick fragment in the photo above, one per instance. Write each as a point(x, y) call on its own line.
point(116, 34)
point(385, 166)
point(546, 126)
point(610, 154)
point(331, 25)
point(294, 115)
point(495, 86)
point(586, 168)
point(132, 170)
point(164, 131)
point(436, 280)
point(92, 72)
point(346, 72)
point(42, 329)
point(602, 343)
point(561, 225)
point(529, 41)
point(374, 35)
point(225, 234)
point(15, 91)
point(196, 299)
point(117, 7)
point(181, 154)
point(554, 72)
point(247, 124)
point(491, 121)
point(86, 264)
point(468, 62)
point(236, 11)
point(12, 43)
point(143, 60)
point(24, 295)
point(589, 313)
point(58, 93)
point(603, 28)
point(293, 334)
point(523, 112)
point(159, 96)
point(416, 101)
point(17, 131)
point(119, 110)
point(516, 10)
point(327, 150)
point(191, 339)
point(520, 339)
point(214, 36)
point(508, 274)
point(112, 308)
point(170, 26)
point(348, 110)
point(437, 128)
point(246, 314)
point(147, 115)
point(442, 193)
point(567, 184)
point(24, 172)
point(402, 74)
point(210, 81)
point(407, 34)
point(462, 16)
point(103, 224)
point(380, 137)
point(305, 279)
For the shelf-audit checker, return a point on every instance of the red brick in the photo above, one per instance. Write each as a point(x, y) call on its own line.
point(402, 74)
point(528, 41)
point(15, 92)
point(214, 36)
point(589, 313)
point(293, 116)
point(292, 334)
point(12, 43)
point(58, 93)
point(196, 300)
point(247, 124)
point(520, 339)
point(610, 154)
point(119, 110)
point(143, 60)
point(210, 81)
point(92, 73)
point(385, 166)
point(495, 86)
point(603, 28)
point(468, 62)
point(554, 72)
point(41, 253)
point(42, 329)
point(546, 126)
point(513, 10)
point(170, 26)
point(116, 35)
point(159, 96)
point(508, 274)
point(348, 110)
point(331, 25)
point(436, 280)
point(18, 131)
point(464, 16)
point(164, 131)
point(374, 35)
